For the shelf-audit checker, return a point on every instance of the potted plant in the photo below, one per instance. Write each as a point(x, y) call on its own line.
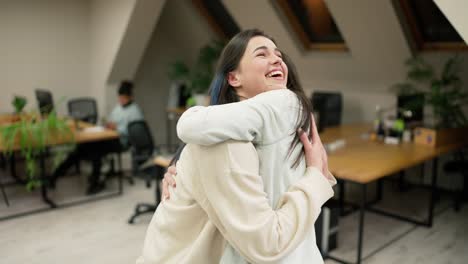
point(19, 102)
point(443, 91)
point(31, 135)
point(197, 78)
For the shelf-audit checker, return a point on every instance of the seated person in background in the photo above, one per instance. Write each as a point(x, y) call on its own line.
point(124, 113)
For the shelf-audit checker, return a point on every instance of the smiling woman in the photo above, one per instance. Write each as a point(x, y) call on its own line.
point(260, 69)
point(220, 198)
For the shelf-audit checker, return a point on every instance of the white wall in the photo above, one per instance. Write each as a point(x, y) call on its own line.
point(179, 34)
point(43, 44)
point(455, 11)
point(108, 21)
point(120, 31)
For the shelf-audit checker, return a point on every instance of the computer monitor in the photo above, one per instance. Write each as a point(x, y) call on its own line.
point(329, 106)
point(411, 108)
point(44, 101)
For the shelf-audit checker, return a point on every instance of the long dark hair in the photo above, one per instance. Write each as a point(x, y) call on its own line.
point(222, 93)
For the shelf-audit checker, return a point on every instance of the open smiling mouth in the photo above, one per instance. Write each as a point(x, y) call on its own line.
point(276, 74)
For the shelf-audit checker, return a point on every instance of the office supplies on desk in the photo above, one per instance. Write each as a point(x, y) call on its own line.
point(93, 129)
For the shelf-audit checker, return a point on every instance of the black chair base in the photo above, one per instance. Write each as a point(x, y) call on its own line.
point(142, 208)
point(143, 150)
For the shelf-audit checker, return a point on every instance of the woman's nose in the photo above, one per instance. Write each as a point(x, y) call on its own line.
point(275, 59)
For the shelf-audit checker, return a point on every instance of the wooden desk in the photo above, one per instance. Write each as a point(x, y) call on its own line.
point(7, 119)
point(80, 136)
point(162, 161)
point(363, 161)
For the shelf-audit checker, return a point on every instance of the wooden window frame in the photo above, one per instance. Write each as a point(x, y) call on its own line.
point(297, 27)
point(211, 21)
point(418, 38)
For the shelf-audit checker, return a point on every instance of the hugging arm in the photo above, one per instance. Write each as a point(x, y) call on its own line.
point(242, 121)
point(236, 203)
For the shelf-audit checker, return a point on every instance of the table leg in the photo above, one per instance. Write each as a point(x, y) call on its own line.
point(341, 194)
point(362, 209)
point(402, 186)
point(120, 173)
point(42, 169)
point(379, 190)
point(434, 192)
point(5, 198)
point(13, 170)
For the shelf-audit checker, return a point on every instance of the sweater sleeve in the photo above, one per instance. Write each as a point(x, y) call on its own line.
point(244, 121)
point(214, 124)
point(236, 203)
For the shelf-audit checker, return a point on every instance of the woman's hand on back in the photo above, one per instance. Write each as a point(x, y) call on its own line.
point(168, 181)
point(315, 153)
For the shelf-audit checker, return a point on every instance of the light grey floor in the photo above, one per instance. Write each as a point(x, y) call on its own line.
point(98, 232)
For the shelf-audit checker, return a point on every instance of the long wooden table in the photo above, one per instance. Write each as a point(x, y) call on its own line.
point(84, 134)
point(363, 162)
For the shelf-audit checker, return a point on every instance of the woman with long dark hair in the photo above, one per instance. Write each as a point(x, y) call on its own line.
point(219, 195)
point(276, 108)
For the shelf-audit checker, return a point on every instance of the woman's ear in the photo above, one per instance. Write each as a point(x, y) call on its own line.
point(233, 79)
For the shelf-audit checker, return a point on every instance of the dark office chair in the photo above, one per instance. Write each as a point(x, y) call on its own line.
point(143, 151)
point(44, 101)
point(329, 107)
point(459, 165)
point(84, 109)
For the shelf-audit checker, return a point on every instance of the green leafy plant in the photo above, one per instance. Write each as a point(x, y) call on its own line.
point(19, 102)
point(31, 136)
point(198, 77)
point(443, 91)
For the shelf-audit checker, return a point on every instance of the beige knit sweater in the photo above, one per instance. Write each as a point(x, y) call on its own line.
point(220, 198)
